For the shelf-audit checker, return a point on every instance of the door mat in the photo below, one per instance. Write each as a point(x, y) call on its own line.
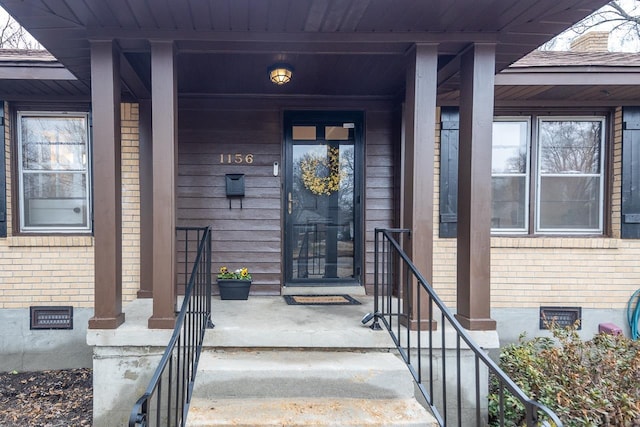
point(341, 299)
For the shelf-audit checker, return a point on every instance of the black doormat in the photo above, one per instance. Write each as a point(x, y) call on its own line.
point(341, 299)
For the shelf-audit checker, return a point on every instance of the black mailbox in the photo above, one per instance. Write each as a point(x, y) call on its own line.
point(235, 184)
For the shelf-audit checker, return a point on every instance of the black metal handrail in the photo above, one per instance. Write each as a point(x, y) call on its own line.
point(393, 306)
point(168, 405)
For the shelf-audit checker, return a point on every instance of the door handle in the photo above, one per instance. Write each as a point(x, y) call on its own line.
point(290, 203)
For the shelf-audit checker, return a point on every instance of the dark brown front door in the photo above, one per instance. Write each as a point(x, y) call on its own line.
point(322, 198)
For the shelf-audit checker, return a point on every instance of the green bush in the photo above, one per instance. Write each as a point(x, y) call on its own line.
point(586, 383)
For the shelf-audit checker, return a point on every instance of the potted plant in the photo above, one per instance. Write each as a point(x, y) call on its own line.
point(234, 285)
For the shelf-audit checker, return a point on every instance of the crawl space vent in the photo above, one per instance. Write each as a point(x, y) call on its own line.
point(51, 317)
point(562, 316)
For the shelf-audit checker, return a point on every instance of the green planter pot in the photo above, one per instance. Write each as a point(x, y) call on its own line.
point(234, 289)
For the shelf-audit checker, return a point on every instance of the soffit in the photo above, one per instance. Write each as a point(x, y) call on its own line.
point(338, 47)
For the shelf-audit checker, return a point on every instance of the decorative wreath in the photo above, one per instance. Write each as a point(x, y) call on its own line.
point(321, 174)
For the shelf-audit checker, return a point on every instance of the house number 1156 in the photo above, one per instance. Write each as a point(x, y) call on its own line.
point(236, 158)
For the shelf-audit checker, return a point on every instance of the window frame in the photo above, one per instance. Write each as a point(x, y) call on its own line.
point(527, 176)
point(533, 175)
point(601, 175)
point(86, 173)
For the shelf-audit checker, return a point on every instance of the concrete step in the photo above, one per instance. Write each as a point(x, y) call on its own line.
point(302, 374)
point(304, 388)
point(308, 412)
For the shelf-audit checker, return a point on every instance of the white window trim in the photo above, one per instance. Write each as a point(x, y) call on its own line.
point(527, 174)
point(87, 196)
point(601, 175)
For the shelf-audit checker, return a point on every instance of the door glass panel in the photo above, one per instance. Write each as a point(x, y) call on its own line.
point(322, 211)
point(336, 133)
point(304, 133)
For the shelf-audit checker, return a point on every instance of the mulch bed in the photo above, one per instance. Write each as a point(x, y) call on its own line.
point(47, 398)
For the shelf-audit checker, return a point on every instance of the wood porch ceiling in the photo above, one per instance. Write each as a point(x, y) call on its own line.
point(337, 47)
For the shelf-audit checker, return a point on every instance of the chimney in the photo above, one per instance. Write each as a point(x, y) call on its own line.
point(593, 41)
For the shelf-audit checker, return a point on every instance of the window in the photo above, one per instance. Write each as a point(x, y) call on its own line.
point(567, 170)
point(548, 174)
point(570, 181)
point(54, 178)
point(510, 175)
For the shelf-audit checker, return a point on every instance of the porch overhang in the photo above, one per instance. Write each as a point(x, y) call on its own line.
point(350, 48)
point(29, 72)
point(570, 79)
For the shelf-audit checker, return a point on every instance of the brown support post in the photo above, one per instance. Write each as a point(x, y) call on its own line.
point(418, 166)
point(107, 201)
point(164, 124)
point(146, 201)
point(477, 70)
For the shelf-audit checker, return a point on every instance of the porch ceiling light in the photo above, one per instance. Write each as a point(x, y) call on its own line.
point(280, 73)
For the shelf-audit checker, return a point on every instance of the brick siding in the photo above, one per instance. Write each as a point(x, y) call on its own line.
point(592, 41)
point(58, 270)
point(592, 272)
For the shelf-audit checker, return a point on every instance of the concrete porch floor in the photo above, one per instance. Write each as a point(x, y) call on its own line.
point(260, 321)
point(269, 322)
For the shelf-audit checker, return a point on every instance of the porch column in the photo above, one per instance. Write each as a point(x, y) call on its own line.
point(107, 211)
point(164, 116)
point(418, 160)
point(146, 200)
point(477, 70)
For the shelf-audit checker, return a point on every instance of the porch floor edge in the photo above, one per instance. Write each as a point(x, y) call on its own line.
point(267, 322)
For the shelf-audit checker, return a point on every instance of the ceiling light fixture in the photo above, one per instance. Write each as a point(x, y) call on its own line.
point(280, 73)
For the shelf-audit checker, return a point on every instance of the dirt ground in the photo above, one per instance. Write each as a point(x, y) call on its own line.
point(46, 399)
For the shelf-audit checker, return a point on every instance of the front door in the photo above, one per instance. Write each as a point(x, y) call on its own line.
point(322, 198)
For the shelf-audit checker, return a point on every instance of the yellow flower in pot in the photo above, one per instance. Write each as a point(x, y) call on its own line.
point(234, 284)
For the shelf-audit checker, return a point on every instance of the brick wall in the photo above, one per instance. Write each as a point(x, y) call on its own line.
point(593, 41)
point(7, 157)
point(58, 270)
point(444, 250)
point(592, 272)
point(616, 182)
point(130, 202)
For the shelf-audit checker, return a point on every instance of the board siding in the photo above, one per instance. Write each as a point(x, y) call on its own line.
point(242, 236)
point(380, 172)
point(251, 236)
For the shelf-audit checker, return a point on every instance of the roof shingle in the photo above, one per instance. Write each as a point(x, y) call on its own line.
point(546, 58)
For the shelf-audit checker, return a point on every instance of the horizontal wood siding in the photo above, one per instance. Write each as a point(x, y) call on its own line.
point(252, 236)
point(249, 236)
point(381, 195)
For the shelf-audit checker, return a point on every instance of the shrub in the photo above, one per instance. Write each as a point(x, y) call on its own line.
point(586, 383)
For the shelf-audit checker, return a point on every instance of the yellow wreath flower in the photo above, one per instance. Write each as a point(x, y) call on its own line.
point(312, 166)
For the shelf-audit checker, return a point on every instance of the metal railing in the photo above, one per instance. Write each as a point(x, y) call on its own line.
point(434, 352)
point(166, 400)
